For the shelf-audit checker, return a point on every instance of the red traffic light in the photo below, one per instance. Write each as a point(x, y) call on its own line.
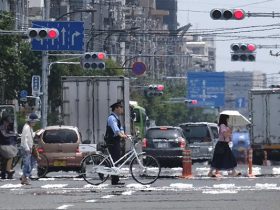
point(191, 101)
point(238, 14)
point(227, 14)
point(101, 56)
point(243, 47)
point(251, 47)
point(93, 60)
point(194, 101)
point(160, 87)
point(53, 33)
point(43, 33)
point(243, 52)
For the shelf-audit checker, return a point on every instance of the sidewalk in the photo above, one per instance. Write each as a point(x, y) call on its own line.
point(201, 170)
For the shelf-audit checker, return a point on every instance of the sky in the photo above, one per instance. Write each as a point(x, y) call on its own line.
point(198, 14)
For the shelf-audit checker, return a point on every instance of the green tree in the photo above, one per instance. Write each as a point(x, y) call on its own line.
point(12, 71)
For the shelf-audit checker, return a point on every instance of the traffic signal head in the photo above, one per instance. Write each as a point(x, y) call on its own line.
point(42, 33)
point(93, 60)
point(227, 14)
point(191, 101)
point(154, 90)
point(243, 52)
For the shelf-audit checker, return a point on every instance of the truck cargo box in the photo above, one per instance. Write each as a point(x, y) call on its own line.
point(265, 117)
point(87, 100)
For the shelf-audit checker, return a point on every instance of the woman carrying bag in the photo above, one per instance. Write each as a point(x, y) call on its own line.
point(8, 150)
point(223, 158)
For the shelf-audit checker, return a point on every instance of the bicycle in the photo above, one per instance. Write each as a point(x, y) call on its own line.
point(143, 168)
point(42, 165)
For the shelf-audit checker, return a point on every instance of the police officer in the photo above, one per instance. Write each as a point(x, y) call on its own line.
point(114, 134)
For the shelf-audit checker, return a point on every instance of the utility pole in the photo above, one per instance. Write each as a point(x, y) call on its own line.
point(45, 60)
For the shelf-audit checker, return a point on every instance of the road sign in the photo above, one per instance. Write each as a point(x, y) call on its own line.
point(71, 36)
point(36, 85)
point(23, 95)
point(138, 68)
point(208, 88)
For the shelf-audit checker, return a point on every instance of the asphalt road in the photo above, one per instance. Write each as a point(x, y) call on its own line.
point(63, 190)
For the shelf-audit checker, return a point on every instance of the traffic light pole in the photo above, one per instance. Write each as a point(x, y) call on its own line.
point(45, 60)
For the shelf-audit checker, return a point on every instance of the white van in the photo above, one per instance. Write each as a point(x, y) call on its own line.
point(201, 138)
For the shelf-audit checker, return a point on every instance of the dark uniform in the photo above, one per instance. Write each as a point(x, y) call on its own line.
point(112, 139)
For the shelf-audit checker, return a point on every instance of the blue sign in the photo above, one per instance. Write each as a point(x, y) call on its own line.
point(138, 68)
point(208, 88)
point(71, 36)
point(23, 95)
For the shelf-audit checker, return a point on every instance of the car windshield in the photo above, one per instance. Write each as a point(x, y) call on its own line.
point(196, 133)
point(163, 134)
point(60, 136)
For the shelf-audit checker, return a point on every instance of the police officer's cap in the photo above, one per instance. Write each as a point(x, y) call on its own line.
point(117, 104)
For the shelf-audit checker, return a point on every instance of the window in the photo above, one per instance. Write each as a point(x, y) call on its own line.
point(196, 133)
point(60, 136)
point(163, 134)
point(215, 132)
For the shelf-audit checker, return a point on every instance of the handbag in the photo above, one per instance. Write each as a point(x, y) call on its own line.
point(35, 152)
point(8, 151)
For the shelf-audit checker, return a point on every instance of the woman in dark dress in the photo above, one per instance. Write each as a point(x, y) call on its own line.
point(223, 158)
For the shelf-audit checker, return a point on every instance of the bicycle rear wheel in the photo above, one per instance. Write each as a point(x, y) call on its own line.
point(145, 169)
point(88, 168)
point(42, 167)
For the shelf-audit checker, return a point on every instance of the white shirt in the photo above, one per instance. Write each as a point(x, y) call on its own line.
point(27, 137)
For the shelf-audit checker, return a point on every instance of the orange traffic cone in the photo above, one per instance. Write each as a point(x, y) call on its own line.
point(250, 163)
point(187, 164)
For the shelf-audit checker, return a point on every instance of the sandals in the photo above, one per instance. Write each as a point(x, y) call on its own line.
point(211, 175)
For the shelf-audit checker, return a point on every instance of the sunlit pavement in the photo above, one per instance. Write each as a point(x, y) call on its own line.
point(199, 171)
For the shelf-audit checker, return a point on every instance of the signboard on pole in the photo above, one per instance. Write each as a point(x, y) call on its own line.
point(70, 38)
point(36, 85)
point(208, 88)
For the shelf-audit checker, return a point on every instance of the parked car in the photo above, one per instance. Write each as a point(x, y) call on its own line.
point(240, 144)
point(201, 137)
point(165, 143)
point(60, 144)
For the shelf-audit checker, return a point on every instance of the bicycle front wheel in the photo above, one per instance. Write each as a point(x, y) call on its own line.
point(88, 168)
point(42, 167)
point(145, 169)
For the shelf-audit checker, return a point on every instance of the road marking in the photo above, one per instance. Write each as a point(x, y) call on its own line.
point(181, 185)
point(11, 186)
point(130, 192)
point(225, 186)
point(107, 196)
point(64, 206)
point(219, 191)
point(91, 201)
point(266, 186)
point(54, 185)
